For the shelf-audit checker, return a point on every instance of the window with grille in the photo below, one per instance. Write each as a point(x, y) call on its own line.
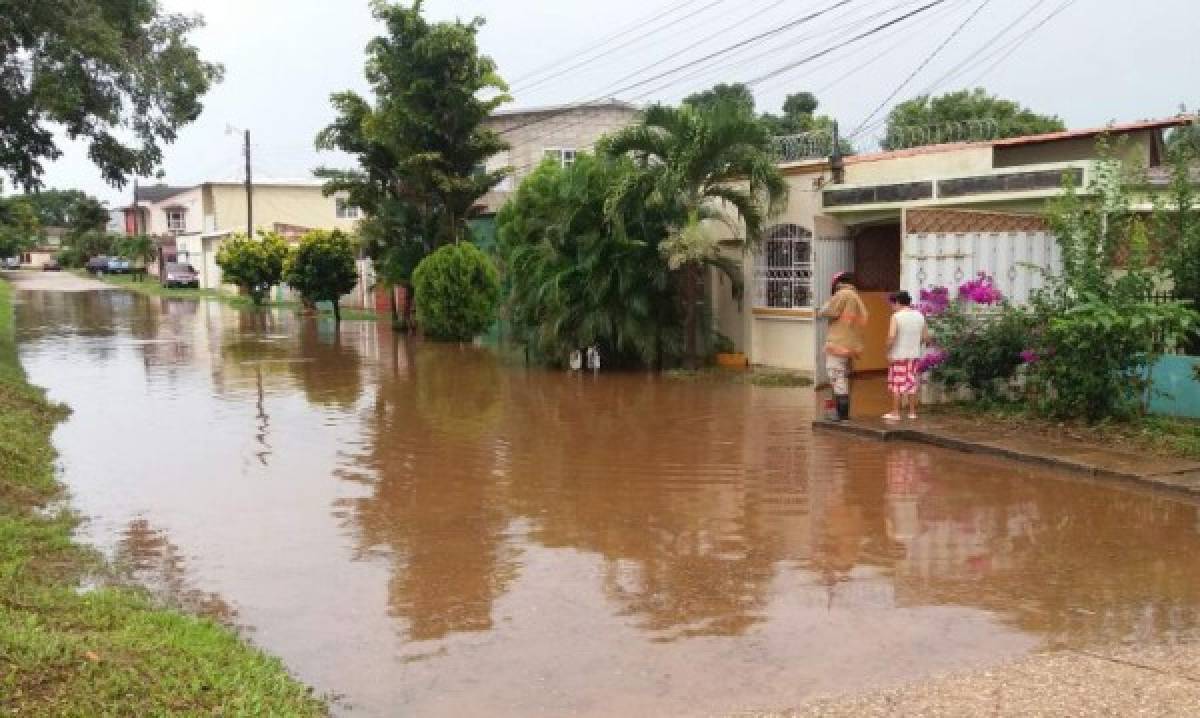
point(176, 220)
point(784, 271)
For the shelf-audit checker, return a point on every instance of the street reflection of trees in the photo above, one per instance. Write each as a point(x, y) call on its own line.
point(146, 557)
point(1076, 563)
point(330, 372)
point(436, 506)
point(650, 475)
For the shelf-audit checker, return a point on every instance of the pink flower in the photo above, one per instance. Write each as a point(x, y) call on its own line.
point(1030, 356)
point(934, 302)
point(933, 358)
point(981, 290)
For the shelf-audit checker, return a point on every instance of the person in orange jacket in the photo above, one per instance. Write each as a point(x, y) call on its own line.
point(844, 343)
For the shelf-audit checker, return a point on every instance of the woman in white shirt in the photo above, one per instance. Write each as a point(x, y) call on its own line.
point(907, 335)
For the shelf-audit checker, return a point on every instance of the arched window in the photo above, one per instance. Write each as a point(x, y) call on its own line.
point(784, 271)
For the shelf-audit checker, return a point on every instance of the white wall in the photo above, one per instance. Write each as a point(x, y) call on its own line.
point(1018, 261)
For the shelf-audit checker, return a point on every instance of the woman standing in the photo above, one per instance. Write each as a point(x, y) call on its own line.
point(848, 317)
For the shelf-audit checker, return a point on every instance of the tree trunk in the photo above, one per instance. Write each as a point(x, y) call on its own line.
point(691, 361)
point(409, 302)
point(337, 311)
point(395, 305)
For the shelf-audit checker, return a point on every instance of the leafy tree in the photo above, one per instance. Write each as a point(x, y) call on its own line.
point(420, 141)
point(19, 226)
point(253, 264)
point(579, 276)
point(458, 292)
point(323, 268)
point(80, 246)
point(1096, 329)
point(980, 114)
point(1177, 228)
point(136, 248)
point(736, 93)
point(70, 208)
point(119, 74)
point(691, 164)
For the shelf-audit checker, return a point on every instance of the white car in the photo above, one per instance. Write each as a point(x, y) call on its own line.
point(12, 263)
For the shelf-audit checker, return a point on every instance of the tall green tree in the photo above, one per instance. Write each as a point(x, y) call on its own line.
point(696, 166)
point(323, 268)
point(120, 75)
point(421, 139)
point(965, 114)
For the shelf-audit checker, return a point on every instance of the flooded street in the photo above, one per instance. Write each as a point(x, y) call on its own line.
point(435, 530)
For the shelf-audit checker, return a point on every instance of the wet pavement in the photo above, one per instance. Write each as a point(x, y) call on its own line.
point(438, 530)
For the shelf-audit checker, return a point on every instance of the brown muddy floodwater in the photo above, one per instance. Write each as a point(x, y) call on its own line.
point(429, 530)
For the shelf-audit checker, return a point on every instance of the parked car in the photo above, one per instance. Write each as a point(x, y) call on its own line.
point(51, 266)
point(12, 262)
point(118, 265)
point(180, 275)
point(97, 265)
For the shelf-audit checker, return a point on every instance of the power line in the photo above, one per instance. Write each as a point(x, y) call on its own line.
point(817, 55)
point(736, 65)
point(756, 38)
point(971, 60)
point(610, 51)
point(923, 64)
point(1021, 41)
point(636, 24)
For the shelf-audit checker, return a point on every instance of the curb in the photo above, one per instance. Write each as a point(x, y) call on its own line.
point(1185, 481)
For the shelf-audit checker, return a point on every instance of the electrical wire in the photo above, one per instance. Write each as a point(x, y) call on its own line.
point(622, 46)
point(921, 66)
point(817, 55)
point(636, 24)
point(1021, 41)
point(756, 38)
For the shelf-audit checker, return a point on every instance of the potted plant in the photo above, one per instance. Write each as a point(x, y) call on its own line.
point(727, 356)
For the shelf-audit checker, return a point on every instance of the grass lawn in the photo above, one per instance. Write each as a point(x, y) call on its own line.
point(109, 651)
point(151, 287)
point(1157, 434)
point(757, 376)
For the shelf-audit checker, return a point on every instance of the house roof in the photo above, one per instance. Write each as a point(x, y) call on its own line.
point(610, 102)
point(158, 193)
point(1121, 128)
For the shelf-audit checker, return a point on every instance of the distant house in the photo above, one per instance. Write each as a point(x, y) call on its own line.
point(48, 245)
point(911, 219)
point(555, 133)
point(190, 223)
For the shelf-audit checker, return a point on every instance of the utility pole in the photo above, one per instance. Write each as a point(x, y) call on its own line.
point(135, 210)
point(249, 191)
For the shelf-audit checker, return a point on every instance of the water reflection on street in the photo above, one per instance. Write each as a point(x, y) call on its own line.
point(435, 530)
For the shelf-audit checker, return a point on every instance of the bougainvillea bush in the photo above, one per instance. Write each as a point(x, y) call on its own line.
point(978, 336)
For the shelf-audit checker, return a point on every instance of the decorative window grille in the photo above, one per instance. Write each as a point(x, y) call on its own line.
point(176, 220)
point(784, 271)
point(562, 156)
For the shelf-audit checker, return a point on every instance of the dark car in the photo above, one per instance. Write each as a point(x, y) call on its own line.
point(97, 265)
point(51, 266)
point(180, 275)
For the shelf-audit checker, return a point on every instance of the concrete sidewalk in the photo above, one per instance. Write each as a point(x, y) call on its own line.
point(1096, 460)
point(1149, 681)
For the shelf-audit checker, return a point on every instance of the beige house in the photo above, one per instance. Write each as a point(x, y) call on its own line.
point(910, 219)
point(192, 222)
point(556, 133)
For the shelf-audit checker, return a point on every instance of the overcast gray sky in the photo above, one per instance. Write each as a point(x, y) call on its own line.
point(1096, 61)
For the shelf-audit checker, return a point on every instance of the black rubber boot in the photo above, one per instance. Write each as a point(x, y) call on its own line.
point(843, 406)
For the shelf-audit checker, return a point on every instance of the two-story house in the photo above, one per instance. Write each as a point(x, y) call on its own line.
point(190, 223)
point(556, 133)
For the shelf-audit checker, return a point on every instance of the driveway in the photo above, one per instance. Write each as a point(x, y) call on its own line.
point(34, 280)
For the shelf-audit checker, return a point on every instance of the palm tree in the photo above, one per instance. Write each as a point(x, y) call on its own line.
point(699, 166)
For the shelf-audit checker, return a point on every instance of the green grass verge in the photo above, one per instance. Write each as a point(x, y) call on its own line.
point(109, 651)
point(151, 287)
point(756, 376)
point(1157, 434)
